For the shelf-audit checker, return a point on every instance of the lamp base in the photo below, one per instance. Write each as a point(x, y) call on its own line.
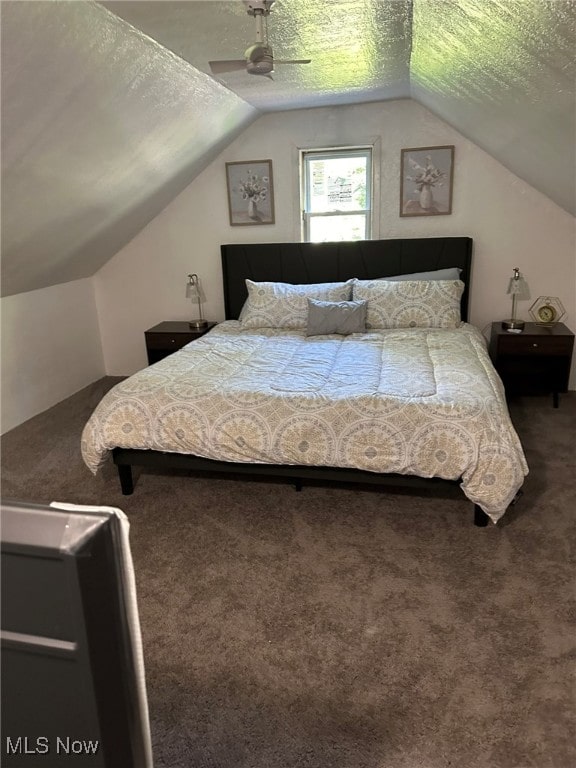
point(198, 323)
point(513, 325)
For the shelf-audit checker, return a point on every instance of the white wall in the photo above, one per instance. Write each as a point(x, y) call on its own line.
point(512, 224)
point(50, 348)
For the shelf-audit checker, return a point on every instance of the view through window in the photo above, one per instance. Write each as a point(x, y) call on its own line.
point(336, 194)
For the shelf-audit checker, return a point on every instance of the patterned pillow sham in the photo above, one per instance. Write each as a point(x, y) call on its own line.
point(284, 305)
point(410, 303)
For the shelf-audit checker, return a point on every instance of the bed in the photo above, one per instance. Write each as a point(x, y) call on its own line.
point(413, 401)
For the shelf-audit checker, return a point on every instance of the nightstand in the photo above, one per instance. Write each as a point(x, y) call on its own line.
point(169, 336)
point(534, 361)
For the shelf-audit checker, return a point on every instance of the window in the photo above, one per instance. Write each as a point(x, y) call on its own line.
point(336, 194)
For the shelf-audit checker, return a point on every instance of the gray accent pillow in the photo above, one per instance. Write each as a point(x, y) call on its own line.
point(450, 273)
point(343, 317)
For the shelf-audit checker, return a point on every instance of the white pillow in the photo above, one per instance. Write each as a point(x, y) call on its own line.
point(410, 303)
point(450, 273)
point(284, 305)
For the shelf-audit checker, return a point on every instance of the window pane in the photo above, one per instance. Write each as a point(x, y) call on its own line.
point(325, 228)
point(336, 181)
point(337, 184)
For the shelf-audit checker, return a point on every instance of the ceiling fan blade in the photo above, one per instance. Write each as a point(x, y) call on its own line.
point(292, 61)
point(227, 65)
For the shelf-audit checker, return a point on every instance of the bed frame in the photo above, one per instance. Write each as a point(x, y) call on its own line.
point(315, 263)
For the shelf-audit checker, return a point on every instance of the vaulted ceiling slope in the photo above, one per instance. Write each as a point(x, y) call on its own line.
point(101, 128)
point(503, 73)
point(109, 109)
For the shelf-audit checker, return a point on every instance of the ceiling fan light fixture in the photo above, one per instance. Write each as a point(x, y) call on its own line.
point(262, 67)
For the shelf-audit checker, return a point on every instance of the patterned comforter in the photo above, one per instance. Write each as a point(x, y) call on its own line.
point(414, 401)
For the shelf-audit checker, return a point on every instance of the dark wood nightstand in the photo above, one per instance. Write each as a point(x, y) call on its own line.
point(169, 336)
point(534, 361)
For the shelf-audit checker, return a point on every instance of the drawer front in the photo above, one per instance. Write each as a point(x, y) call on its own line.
point(169, 341)
point(535, 345)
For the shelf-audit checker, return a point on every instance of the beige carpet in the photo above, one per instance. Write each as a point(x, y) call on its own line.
point(341, 627)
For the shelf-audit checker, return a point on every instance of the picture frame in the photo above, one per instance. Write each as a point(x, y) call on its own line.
point(250, 192)
point(426, 181)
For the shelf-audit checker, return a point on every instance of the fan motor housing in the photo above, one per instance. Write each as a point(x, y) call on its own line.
point(263, 66)
point(257, 52)
point(259, 59)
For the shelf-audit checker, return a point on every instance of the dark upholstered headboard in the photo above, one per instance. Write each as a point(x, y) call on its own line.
point(333, 262)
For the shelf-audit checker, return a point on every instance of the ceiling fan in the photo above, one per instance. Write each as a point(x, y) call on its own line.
point(258, 58)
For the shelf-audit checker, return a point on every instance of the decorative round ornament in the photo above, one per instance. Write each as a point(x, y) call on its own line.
point(547, 310)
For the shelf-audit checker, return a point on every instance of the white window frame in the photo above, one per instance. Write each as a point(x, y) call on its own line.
point(368, 150)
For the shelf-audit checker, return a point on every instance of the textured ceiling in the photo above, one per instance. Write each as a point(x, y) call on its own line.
point(360, 49)
point(108, 109)
point(503, 72)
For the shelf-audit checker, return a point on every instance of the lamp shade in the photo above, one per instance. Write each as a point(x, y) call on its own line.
point(517, 286)
point(193, 289)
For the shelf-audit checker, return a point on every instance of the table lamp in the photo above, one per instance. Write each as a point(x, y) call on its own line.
point(194, 292)
point(518, 289)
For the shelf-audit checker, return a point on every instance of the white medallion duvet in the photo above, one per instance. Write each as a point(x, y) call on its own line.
point(416, 401)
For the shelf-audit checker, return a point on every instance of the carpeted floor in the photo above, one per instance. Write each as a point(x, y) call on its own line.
point(341, 627)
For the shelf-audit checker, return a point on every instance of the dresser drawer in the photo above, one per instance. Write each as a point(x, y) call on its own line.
point(168, 340)
point(535, 345)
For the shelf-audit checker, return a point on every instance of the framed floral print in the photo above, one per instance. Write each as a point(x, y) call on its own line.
point(250, 193)
point(426, 181)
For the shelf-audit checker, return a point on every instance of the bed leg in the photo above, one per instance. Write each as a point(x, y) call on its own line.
point(480, 517)
point(298, 483)
point(126, 482)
